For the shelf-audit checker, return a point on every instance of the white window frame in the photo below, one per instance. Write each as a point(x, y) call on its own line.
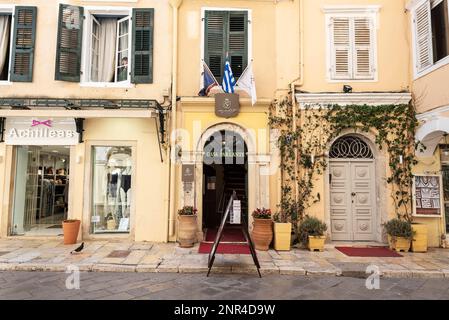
point(202, 46)
point(347, 11)
point(6, 8)
point(90, 11)
point(412, 6)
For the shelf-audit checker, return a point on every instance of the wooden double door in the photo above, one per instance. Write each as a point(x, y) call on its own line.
point(352, 200)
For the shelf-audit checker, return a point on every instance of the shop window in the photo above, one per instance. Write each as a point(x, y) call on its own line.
point(112, 192)
point(226, 36)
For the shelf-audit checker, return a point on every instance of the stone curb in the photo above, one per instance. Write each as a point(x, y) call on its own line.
point(224, 269)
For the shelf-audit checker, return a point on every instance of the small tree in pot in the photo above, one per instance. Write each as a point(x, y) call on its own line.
point(400, 234)
point(262, 233)
point(312, 233)
point(187, 228)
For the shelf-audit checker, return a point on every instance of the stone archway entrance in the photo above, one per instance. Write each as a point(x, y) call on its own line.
point(225, 170)
point(352, 190)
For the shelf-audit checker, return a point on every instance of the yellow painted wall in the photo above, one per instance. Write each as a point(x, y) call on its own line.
point(436, 226)
point(275, 43)
point(431, 91)
point(44, 85)
point(392, 47)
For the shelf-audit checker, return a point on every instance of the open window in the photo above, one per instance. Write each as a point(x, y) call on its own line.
point(5, 45)
point(105, 46)
point(109, 49)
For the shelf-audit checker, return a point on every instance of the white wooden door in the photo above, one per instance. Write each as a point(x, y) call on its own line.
point(352, 200)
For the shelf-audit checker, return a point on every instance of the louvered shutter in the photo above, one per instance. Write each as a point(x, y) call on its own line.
point(341, 67)
point(23, 44)
point(142, 46)
point(238, 42)
point(423, 35)
point(363, 48)
point(215, 41)
point(68, 50)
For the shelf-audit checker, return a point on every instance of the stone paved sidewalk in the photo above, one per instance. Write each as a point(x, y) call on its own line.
point(119, 256)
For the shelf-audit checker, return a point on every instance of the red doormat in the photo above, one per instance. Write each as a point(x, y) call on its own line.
point(368, 252)
point(229, 235)
point(225, 248)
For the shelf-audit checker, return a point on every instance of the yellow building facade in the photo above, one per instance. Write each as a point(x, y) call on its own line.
point(84, 93)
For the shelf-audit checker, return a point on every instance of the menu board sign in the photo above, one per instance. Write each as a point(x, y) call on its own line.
point(427, 190)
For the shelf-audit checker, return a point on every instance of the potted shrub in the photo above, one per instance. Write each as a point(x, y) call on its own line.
point(311, 233)
point(70, 230)
point(399, 233)
point(187, 226)
point(419, 241)
point(262, 233)
point(282, 232)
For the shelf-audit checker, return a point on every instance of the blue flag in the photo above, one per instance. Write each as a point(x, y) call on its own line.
point(228, 78)
point(209, 81)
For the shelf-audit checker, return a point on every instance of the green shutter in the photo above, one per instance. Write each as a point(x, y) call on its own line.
point(142, 46)
point(68, 50)
point(23, 41)
point(238, 42)
point(215, 46)
point(226, 35)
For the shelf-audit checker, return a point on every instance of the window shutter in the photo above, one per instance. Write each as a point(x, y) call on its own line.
point(423, 36)
point(142, 47)
point(341, 48)
point(23, 44)
point(363, 48)
point(68, 50)
point(215, 42)
point(238, 42)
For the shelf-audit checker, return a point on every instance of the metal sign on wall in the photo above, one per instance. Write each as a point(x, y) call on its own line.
point(188, 173)
point(40, 131)
point(227, 105)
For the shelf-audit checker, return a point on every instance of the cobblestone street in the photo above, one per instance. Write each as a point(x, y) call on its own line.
point(125, 286)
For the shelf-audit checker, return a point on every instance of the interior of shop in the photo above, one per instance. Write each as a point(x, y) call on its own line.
point(41, 190)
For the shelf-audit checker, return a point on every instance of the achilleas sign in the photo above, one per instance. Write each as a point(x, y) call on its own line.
point(38, 131)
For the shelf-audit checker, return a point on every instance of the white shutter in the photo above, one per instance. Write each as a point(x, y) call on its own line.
point(423, 36)
point(363, 48)
point(340, 48)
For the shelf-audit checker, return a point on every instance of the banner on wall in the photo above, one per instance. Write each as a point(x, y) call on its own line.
point(41, 131)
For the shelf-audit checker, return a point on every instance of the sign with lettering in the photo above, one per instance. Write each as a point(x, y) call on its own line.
point(236, 212)
point(41, 131)
point(188, 173)
point(227, 105)
point(427, 194)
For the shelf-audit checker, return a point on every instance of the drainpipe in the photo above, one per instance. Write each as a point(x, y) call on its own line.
point(298, 82)
point(175, 4)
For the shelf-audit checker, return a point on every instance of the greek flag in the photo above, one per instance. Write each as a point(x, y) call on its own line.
point(228, 78)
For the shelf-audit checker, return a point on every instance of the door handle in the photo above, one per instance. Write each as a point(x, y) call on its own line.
point(353, 194)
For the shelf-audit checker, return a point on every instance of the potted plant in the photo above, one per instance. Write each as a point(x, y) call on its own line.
point(282, 232)
point(262, 233)
point(70, 230)
point(419, 241)
point(400, 234)
point(312, 233)
point(187, 226)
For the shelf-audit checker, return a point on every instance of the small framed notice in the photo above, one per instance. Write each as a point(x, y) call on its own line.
point(427, 195)
point(123, 226)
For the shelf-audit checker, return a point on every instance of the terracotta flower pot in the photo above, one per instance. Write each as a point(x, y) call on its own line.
point(70, 229)
point(187, 230)
point(262, 233)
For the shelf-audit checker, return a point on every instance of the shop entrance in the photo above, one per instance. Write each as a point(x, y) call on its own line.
point(41, 190)
point(225, 169)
